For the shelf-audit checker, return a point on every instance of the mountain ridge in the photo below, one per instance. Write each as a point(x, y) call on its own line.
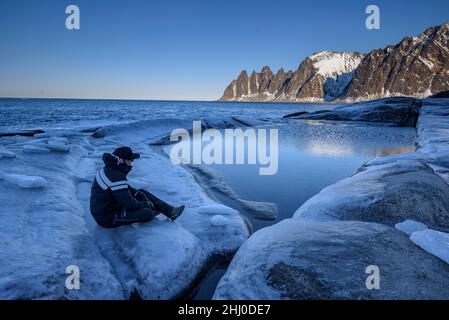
point(416, 66)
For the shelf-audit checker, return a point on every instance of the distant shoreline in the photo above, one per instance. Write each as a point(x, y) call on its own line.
point(161, 100)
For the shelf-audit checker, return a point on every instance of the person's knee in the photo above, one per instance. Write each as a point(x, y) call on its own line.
point(104, 222)
point(147, 215)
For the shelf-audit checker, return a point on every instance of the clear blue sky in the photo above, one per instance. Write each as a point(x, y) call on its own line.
point(185, 49)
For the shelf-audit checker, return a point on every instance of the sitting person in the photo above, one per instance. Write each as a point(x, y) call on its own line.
point(113, 202)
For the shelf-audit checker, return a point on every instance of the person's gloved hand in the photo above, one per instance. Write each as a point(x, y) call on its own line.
point(148, 204)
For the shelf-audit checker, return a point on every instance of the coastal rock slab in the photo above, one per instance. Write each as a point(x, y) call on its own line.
point(402, 112)
point(298, 260)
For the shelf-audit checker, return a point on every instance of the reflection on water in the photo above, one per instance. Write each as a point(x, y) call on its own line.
point(312, 157)
point(395, 151)
point(320, 148)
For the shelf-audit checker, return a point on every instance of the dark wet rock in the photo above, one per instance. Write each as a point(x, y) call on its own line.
point(90, 130)
point(230, 123)
point(295, 114)
point(25, 133)
point(443, 94)
point(402, 112)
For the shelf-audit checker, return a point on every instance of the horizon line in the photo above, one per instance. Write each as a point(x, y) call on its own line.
point(116, 99)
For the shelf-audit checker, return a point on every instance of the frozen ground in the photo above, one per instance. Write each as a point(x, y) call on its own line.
point(44, 190)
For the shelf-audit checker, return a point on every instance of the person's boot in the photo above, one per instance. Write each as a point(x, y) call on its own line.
point(176, 212)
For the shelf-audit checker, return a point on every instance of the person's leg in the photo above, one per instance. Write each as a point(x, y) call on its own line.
point(130, 217)
point(159, 205)
point(124, 217)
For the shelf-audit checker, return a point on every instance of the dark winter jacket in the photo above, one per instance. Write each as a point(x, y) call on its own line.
point(110, 191)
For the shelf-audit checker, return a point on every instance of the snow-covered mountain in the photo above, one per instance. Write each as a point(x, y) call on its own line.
point(417, 66)
point(322, 76)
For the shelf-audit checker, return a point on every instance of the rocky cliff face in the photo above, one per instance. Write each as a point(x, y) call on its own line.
point(322, 76)
point(417, 67)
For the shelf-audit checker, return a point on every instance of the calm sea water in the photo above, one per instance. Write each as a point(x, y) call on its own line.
point(63, 113)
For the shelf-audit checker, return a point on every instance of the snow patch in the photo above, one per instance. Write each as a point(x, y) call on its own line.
point(219, 220)
point(434, 242)
point(26, 182)
point(331, 64)
point(410, 226)
point(217, 209)
point(57, 145)
point(34, 149)
point(7, 154)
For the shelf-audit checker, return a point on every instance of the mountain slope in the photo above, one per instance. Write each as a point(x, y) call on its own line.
point(417, 67)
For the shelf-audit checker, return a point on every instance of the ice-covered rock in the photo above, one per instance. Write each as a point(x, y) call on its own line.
point(260, 210)
point(216, 209)
point(7, 154)
point(410, 226)
point(29, 148)
point(59, 145)
point(387, 193)
point(295, 259)
point(44, 232)
point(23, 181)
point(212, 179)
point(166, 257)
point(434, 242)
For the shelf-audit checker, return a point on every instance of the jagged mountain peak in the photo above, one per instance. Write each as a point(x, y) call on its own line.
point(243, 73)
point(309, 82)
point(265, 70)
